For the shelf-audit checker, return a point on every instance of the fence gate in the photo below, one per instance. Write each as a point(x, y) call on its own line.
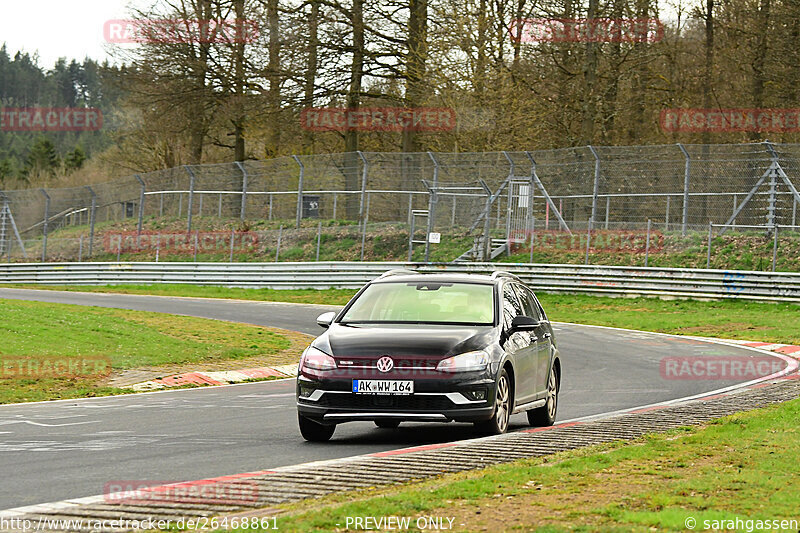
point(519, 211)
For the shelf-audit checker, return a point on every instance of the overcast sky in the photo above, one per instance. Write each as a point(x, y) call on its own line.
point(60, 28)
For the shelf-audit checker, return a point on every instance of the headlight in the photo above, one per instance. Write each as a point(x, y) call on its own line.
point(314, 359)
point(465, 362)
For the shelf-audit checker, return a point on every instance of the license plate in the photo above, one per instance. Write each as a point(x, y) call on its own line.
point(382, 386)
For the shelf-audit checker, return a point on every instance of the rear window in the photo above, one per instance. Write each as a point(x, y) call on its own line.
point(423, 302)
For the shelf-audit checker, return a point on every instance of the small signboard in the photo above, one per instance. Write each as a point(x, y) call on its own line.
point(434, 238)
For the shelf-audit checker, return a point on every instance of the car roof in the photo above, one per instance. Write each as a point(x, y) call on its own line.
point(394, 276)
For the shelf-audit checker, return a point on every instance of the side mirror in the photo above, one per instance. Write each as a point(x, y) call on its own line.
point(325, 319)
point(524, 323)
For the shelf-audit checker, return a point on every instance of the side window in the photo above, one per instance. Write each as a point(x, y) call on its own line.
point(529, 305)
point(511, 306)
point(542, 314)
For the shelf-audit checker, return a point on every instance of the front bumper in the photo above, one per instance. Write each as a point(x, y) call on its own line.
point(331, 401)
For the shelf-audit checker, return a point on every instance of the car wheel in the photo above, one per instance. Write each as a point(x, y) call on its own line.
point(546, 414)
point(313, 431)
point(387, 424)
point(502, 412)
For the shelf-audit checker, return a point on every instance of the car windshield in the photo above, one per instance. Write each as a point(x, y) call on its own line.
point(423, 302)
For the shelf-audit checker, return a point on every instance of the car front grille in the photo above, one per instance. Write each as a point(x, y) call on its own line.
point(366, 401)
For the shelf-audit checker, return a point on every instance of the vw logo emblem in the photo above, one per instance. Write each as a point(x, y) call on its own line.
point(385, 363)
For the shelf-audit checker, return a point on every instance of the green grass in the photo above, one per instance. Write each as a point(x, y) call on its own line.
point(309, 296)
point(128, 339)
point(735, 319)
point(732, 251)
point(739, 466)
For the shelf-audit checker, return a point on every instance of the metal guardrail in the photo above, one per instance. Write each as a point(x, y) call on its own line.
point(601, 280)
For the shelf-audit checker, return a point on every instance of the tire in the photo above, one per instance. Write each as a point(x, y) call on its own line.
point(313, 431)
point(546, 414)
point(387, 424)
point(498, 424)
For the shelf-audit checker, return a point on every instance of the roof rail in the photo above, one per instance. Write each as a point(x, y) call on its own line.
point(502, 273)
point(397, 272)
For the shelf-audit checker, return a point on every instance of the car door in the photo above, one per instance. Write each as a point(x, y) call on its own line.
point(540, 336)
point(545, 334)
point(519, 345)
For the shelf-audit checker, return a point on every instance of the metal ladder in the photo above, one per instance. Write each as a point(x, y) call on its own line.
point(8, 230)
point(422, 213)
point(5, 213)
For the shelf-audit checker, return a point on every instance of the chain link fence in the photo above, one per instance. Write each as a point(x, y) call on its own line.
point(492, 201)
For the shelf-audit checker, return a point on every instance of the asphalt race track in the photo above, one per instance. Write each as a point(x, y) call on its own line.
point(60, 450)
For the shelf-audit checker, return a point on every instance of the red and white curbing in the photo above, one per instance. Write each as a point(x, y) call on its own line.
point(216, 378)
point(785, 349)
point(286, 371)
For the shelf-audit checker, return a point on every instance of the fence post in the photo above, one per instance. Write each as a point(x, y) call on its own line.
point(431, 207)
point(666, 217)
point(686, 173)
point(80, 250)
point(191, 197)
point(775, 248)
point(44, 223)
point(362, 201)
point(141, 205)
point(195, 245)
point(230, 259)
point(533, 236)
point(608, 209)
point(299, 211)
point(509, 203)
point(364, 233)
point(319, 237)
point(647, 246)
point(708, 251)
point(278, 248)
point(243, 211)
point(335, 201)
point(92, 218)
point(596, 187)
point(588, 240)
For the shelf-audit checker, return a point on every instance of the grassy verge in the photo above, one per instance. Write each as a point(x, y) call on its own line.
point(734, 467)
point(308, 296)
point(734, 319)
point(125, 340)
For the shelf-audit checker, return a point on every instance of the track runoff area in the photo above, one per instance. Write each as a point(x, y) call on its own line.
point(187, 449)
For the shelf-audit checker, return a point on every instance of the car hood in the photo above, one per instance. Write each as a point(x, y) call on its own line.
point(406, 341)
